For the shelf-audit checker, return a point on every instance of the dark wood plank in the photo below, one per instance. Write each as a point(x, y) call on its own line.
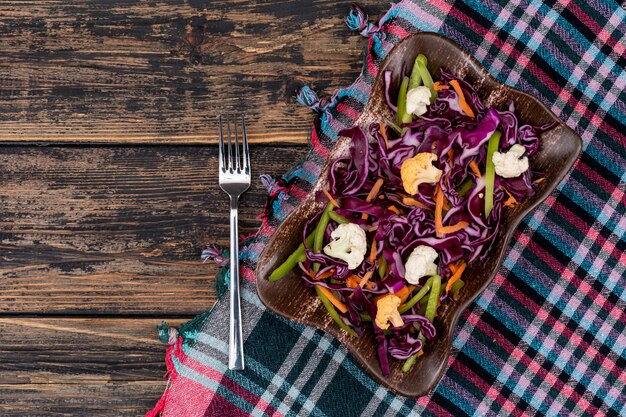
point(117, 230)
point(95, 367)
point(146, 71)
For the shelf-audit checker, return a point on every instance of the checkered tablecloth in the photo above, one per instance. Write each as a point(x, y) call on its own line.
point(547, 337)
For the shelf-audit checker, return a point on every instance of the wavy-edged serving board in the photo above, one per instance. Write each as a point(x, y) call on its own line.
point(289, 297)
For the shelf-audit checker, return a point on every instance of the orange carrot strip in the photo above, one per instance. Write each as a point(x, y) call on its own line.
point(373, 252)
point(394, 209)
point(451, 155)
point(438, 210)
point(511, 201)
point(351, 282)
point(404, 292)
point(383, 132)
point(366, 278)
point(453, 268)
point(455, 227)
point(462, 102)
point(372, 194)
point(474, 167)
point(330, 198)
point(457, 275)
point(539, 180)
point(446, 204)
point(323, 275)
point(375, 189)
point(409, 201)
point(438, 86)
point(331, 297)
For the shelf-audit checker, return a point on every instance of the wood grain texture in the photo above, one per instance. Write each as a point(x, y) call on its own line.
point(113, 233)
point(160, 71)
point(95, 367)
point(117, 230)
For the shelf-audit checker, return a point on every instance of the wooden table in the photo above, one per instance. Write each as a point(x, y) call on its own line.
point(101, 229)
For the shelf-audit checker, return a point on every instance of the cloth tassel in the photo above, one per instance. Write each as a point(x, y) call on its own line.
point(167, 335)
point(306, 97)
point(357, 21)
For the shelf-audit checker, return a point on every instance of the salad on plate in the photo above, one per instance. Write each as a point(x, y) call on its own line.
point(417, 200)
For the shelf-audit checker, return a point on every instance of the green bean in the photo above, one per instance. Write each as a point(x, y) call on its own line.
point(431, 309)
point(417, 297)
point(490, 172)
point(415, 80)
point(293, 259)
point(406, 367)
point(333, 313)
point(422, 62)
point(382, 268)
point(433, 299)
point(465, 187)
point(338, 217)
point(394, 126)
point(456, 287)
point(402, 115)
point(365, 317)
point(319, 233)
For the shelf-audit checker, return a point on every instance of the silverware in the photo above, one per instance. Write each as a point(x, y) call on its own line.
point(234, 180)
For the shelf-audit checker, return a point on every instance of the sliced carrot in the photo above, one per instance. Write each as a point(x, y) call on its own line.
point(331, 297)
point(453, 268)
point(451, 155)
point(394, 209)
point(324, 275)
point(373, 252)
point(375, 189)
point(366, 278)
point(372, 194)
point(456, 276)
point(446, 204)
point(438, 210)
point(420, 353)
point(444, 230)
point(539, 180)
point(409, 201)
point(383, 132)
point(405, 292)
point(474, 167)
point(511, 201)
point(351, 282)
point(438, 86)
point(330, 198)
point(462, 102)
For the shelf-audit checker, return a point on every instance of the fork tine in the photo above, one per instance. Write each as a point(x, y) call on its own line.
point(237, 166)
point(221, 146)
point(230, 145)
point(246, 150)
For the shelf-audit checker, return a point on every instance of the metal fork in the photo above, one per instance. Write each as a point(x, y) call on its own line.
point(234, 180)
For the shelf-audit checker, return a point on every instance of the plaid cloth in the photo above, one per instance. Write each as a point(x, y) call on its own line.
point(548, 336)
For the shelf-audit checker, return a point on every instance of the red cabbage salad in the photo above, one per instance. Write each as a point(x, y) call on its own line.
point(416, 200)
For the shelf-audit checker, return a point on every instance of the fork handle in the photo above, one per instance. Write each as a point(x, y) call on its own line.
point(235, 340)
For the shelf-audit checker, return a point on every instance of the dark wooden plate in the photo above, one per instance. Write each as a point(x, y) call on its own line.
point(290, 298)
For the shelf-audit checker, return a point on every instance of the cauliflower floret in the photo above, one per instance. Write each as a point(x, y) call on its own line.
point(418, 170)
point(421, 262)
point(417, 99)
point(511, 164)
point(349, 243)
point(388, 312)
